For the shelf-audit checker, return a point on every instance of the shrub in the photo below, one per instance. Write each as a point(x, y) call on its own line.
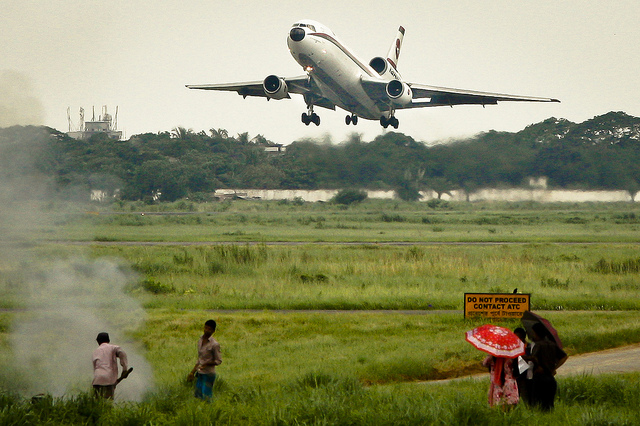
point(629, 266)
point(317, 278)
point(437, 203)
point(392, 218)
point(555, 283)
point(156, 287)
point(349, 196)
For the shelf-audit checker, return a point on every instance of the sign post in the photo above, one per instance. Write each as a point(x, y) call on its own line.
point(496, 305)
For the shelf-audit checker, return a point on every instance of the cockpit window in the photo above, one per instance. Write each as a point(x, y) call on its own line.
point(311, 27)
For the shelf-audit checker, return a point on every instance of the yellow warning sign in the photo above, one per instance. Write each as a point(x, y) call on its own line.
point(496, 305)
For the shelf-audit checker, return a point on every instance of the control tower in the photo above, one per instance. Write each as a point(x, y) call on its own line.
point(104, 124)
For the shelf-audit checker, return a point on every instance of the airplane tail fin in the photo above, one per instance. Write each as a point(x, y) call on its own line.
point(394, 50)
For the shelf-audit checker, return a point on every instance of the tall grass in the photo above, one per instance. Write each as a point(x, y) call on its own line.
point(357, 367)
point(374, 220)
point(558, 277)
point(334, 401)
point(271, 348)
point(341, 368)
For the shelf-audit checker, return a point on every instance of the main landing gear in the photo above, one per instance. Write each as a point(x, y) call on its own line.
point(391, 121)
point(310, 117)
point(351, 119)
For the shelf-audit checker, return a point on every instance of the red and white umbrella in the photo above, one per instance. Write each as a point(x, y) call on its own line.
point(495, 340)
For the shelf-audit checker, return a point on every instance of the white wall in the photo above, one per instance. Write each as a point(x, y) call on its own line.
point(488, 194)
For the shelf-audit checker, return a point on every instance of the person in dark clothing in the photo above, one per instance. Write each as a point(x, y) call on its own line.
point(523, 379)
point(547, 357)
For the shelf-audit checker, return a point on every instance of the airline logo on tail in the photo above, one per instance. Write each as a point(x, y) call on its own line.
point(394, 50)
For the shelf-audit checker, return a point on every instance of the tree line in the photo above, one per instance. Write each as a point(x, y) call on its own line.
point(603, 153)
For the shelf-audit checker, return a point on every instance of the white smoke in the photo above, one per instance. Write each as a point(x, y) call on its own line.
point(18, 105)
point(69, 302)
point(58, 304)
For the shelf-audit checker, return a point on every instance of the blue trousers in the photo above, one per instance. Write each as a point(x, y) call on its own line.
point(204, 386)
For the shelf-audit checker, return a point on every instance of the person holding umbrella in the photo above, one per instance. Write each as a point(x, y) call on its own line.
point(547, 356)
point(503, 346)
point(503, 390)
point(522, 370)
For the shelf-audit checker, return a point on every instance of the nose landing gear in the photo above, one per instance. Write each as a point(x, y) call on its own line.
point(351, 119)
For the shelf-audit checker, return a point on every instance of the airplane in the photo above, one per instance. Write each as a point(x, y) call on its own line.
point(336, 77)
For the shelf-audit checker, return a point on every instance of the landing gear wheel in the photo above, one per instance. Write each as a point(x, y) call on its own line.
point(391, 121)
point(354, 119)
point(347, 120)
point(310, 116)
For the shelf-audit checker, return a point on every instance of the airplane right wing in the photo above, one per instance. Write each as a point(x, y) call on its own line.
point(279, 88)
point(249, 88)
point(298, 85)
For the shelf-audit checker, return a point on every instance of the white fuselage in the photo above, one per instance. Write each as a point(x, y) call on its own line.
point(335, 70)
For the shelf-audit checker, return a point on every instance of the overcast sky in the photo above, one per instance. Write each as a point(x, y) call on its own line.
point(138, 55)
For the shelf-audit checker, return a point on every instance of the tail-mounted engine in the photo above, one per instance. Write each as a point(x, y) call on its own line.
point(275, 87)
point(398, 92)
point(384, 68)
point(379, 64)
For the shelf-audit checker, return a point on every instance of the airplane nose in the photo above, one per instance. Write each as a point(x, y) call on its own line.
point(297, 34)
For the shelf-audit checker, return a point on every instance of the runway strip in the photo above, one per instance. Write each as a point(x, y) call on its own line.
point(326, 243)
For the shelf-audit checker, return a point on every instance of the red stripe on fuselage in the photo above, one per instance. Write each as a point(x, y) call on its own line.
point(345, 51)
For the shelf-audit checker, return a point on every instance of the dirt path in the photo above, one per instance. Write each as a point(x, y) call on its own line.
point(625, 359)
point(619, 360)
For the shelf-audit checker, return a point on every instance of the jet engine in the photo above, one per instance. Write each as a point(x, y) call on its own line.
point(379, 64)
point(275, 87)
point(399, 92)
point(384, 68)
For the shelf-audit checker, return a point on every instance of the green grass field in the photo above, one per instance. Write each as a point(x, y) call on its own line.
point(372, 221)
point(345, 368)
point(359, 365)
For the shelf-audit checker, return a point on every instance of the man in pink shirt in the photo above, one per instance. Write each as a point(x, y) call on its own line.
point(105, 367)
point(208, 357)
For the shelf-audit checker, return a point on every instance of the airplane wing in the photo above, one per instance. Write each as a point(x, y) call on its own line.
point(300, 85)
point(249, 88)
point(442, 96)
point(431, 96)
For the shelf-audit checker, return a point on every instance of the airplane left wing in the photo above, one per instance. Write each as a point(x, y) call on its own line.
point(430, 96)
point(442, 96)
